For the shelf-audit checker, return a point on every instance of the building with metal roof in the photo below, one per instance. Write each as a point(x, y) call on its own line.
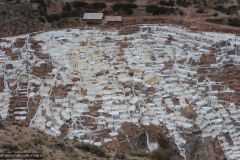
point(93, 16)
point(113, 18)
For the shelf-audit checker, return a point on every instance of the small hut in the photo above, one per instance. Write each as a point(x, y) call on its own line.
point(93, 17)
point(113, 19)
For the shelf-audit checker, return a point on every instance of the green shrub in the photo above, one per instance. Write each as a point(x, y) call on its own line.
point(74, 9)
point(79, 4)
point(184, 3)
point(98, 6)
point(1, 125)
point(166, 10)
point(180, 12)
point(120, 156)
point(152, 9)
point(156, 10)
point(234, 22)
point(140, 154)
point(42, 7)
point(94, 7)
point(10, 147)
point(220, 8)
point(4, 13)
point(232, 10)
point(25, 145)
point(217, 21)
point(124, 8)
point(215, 14)
point(42, 19)
point(38, 141)
point(53, 17)
point(67, 7)
point(118, 6)
point(70, 11)
point(201, 10)
point(167, 3)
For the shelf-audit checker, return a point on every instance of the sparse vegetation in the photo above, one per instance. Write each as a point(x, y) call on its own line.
point(91, 149)
point(120, 156)
point(167, 3)
point(156, 10)
point(83, 6)
point(10, 147)
point(220, 8)
point(230, 10)
point(161, 154)
point(35, 17)
point(234, 22)
point(201, 10)
point(215, 14)
point(70, 10)
point(38, 141)
point(42, 19)
point(125, 9)
point(79, 4)
point(67, 8)
point(1, 125)
point(180, 12)
point(184, 3)
point(75, 9)
point(25, 145)
point(98, 6)
point(42, 6)
point(53, 17)
point(3, 13)
point(140, 154)
point(217, 21)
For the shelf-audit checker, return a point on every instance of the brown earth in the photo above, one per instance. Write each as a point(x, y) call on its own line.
point(60, 91)
point(29, 140)
point(132, 139)
point(202, 149)
point(228, 75)
point(29, 19)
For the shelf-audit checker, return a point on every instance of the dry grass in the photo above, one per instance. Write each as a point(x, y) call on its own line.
point(24, 139)
point(161, 154)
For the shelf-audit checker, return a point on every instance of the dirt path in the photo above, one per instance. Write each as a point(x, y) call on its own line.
point(192, 23)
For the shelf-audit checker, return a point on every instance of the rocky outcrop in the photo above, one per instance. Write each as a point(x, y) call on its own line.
point(134, 139)
point(203, 148)
point(152, 140)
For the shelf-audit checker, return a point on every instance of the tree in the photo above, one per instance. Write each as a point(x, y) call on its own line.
point(67, 8)
point(234, 22)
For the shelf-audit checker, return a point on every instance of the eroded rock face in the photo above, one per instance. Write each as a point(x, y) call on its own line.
point(199, 148)
point(135, 139)
point(129, 92)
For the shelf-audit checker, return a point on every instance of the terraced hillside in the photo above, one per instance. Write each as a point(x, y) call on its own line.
point(119, 89)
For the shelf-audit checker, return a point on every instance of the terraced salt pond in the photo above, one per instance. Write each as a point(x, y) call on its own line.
point(91, 80)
